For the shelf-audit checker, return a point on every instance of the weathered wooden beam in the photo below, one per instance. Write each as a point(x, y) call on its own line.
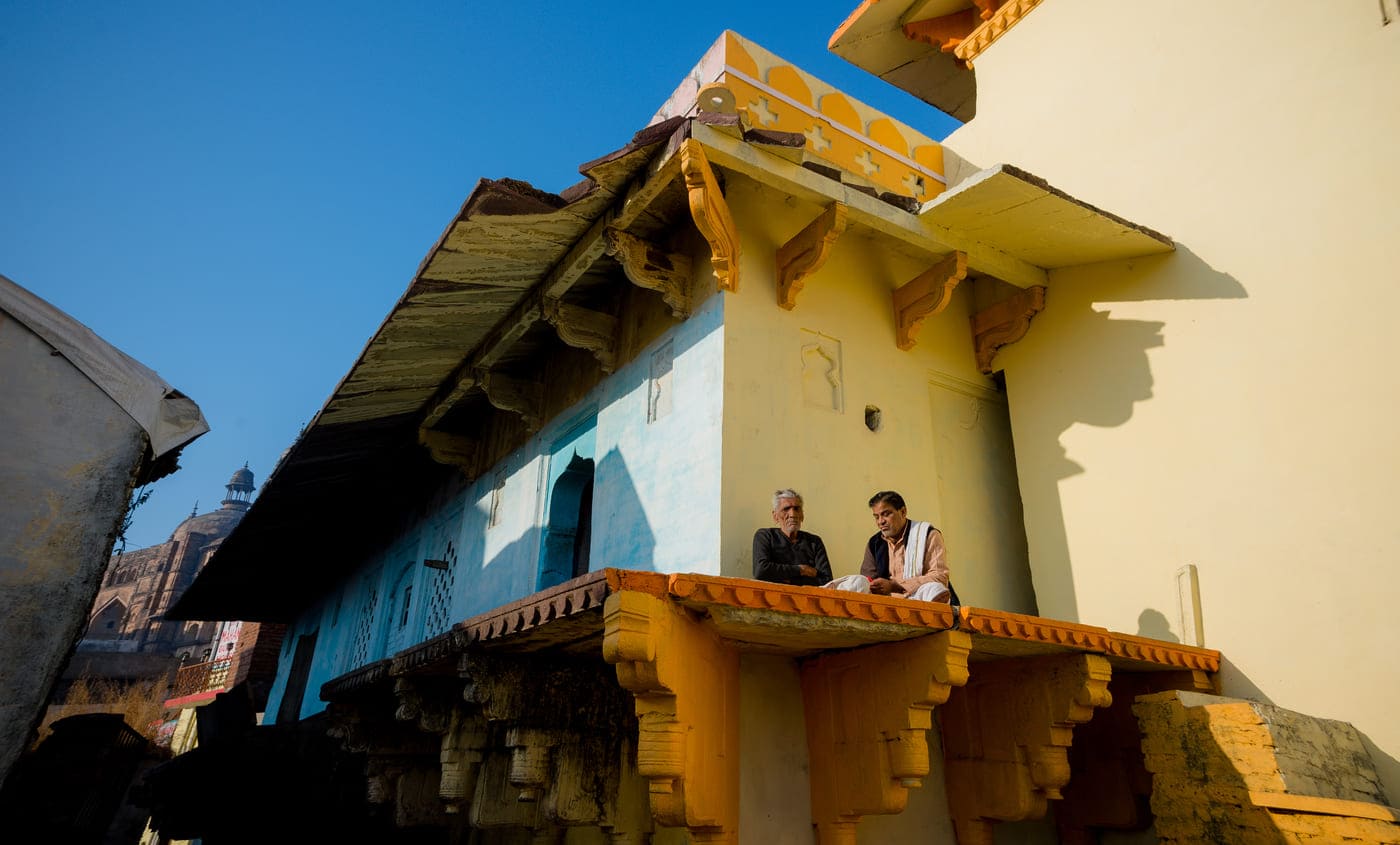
point(925, 295)
point(649, 266)
point(805, 253)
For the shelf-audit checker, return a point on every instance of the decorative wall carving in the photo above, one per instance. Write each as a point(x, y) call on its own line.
point(806, 252)
point(822, 378)
point(711, 214)
point(925, 295)
point(868, 712)
point(649, 266)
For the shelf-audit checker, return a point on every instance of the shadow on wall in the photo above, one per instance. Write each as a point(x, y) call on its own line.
point(621, 538)
point(1154, 624)
point(1101, 371)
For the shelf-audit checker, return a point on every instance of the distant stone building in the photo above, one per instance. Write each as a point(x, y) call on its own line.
point(128, 638)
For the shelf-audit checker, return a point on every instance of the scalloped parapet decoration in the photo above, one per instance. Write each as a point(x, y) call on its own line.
point(1007, 15)
point(773, 94)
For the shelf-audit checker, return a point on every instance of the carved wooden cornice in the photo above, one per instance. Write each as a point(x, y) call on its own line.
point(1187, 657)
point(450, 449)
point(868, 711)
point(525, 398)
point(1037, 629)
point(1007, 15)
point(649, 266)
point(711, 214)
point(688, 725)
point(582, 328)
point(925, 295)
point(1007, 733)
point(1005, 322)
point(807, 251)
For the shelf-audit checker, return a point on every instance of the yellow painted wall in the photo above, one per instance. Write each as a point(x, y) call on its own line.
point(1233, 405)
point(773, 438)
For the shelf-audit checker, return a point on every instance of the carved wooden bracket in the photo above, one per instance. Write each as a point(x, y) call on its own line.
point(1003, 323)
point(925, 295)
point(450, 449)
point(1007, 733)
point(649, 266)
point(868, 712)
point(584, 329)
point(945, 32)
point(525, 398)
point(686, 685)
point(806, 252)
point(711, 214)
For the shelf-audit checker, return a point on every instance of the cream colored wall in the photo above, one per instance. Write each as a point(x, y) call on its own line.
point(773, 438)
point(1233, 405)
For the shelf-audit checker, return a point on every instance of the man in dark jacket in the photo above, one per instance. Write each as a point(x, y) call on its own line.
point(786, 554)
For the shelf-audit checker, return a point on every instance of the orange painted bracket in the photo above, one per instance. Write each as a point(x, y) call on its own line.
point(1007, 733)
point(925, 295)
point(868, 713)
point(1003, 323)
point(806, 252)
point(711, 214)
point(685, 681)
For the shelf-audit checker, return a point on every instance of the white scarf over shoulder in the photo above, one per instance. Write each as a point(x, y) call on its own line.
point(915, 547)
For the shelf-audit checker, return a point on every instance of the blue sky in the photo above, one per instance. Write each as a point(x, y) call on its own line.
point(236, 194)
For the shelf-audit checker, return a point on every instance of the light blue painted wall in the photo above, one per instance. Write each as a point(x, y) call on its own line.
point(655, 507)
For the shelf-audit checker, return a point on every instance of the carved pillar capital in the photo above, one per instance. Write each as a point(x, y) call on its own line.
point(925, 295)
point(688, 726)
point(711, 214)
point(868, 712)
point(805, 253)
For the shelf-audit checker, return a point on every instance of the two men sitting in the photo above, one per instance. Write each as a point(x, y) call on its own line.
point(903, 558)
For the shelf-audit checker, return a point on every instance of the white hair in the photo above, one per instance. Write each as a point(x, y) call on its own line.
point(785, 493)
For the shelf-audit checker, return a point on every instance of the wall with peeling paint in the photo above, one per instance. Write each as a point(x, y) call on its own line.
point(68, 463)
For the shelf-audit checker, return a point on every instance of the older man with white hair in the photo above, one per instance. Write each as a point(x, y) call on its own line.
point(786, 554)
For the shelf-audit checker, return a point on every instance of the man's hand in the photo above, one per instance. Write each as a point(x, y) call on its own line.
point(884, 586)
point(807, 571)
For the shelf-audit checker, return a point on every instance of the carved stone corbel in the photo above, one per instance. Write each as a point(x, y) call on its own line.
point(649, 266)
point(1005, 322)
point(584, 329)
point(925, 295)
point(1006, 737)
point(688, 718)
point(450, 449)
point(519, 397)
point(868, 712)
point(711, 214)
point(463, 749)
point(807, 251)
